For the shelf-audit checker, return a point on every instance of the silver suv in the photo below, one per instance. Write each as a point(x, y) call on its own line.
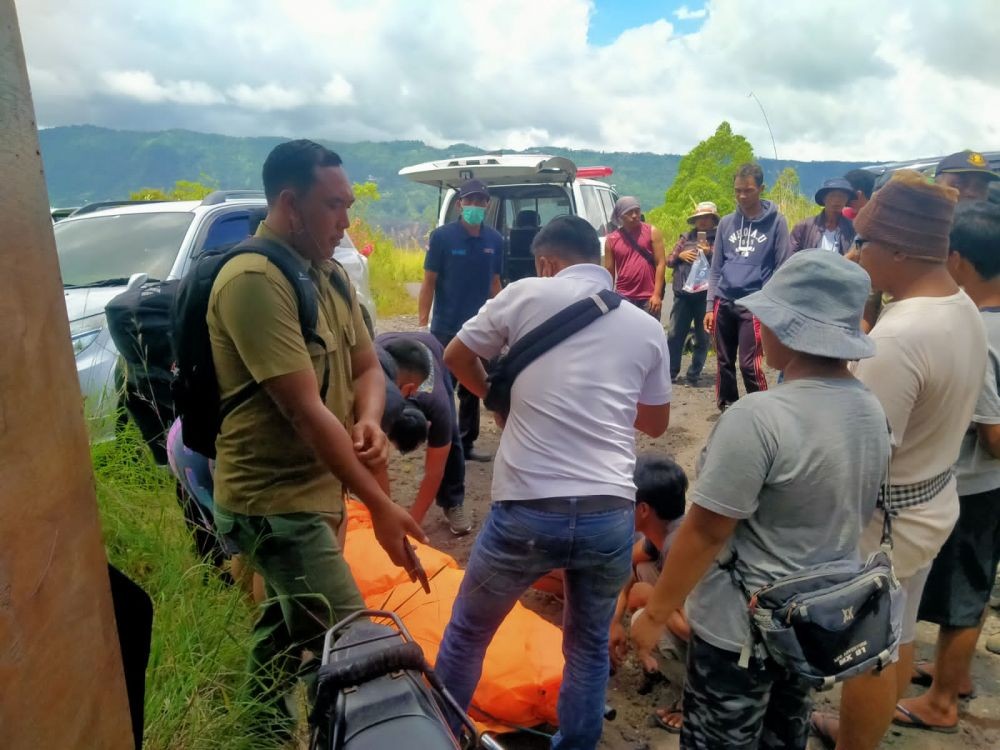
point(526, 192)
point(102, 252)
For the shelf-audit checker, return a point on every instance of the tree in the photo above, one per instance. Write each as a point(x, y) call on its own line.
point(787, 194)
point(705, 174)
point(184, 190)
point(365, 194)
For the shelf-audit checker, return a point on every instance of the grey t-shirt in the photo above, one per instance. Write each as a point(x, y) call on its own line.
point(976, 470)
point(800, 466)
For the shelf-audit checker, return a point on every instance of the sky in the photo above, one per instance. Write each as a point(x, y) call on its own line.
point(853, 80)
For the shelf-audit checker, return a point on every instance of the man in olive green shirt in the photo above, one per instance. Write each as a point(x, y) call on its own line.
point(285, 456)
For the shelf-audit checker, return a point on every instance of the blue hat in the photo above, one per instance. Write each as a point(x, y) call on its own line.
point(813, 304)
point(966, 161)
point(473, 187)
point(838, 183)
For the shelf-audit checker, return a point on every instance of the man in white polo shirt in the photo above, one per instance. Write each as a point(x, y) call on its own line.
point(563, 494)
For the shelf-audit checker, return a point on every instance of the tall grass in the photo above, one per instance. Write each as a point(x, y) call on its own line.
point(391, 267)
point(196, 696)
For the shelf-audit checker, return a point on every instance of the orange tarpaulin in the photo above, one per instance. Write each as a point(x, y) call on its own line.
point(523, 666)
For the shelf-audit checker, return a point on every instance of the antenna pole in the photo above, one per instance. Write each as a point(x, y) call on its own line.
point(766, 122)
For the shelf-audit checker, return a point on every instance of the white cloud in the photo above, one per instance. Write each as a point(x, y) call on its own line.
point(684, 13)
point(338, 91)
point(864, 81)
point(143, 86)
point(267, 98)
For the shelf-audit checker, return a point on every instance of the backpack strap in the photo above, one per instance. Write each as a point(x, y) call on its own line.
point(305, 293)
point(557, 329)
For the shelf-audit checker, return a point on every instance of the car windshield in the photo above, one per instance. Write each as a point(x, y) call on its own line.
point(103, 250)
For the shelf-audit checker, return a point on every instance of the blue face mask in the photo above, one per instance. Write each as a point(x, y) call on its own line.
point(473, 214)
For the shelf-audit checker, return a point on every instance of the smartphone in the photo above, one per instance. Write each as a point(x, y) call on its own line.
point(702, 238)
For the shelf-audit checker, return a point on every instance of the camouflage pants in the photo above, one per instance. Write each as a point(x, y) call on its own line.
point(731, 708)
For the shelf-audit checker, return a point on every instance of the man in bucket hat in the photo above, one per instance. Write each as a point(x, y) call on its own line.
point(927, 373)
point(773, 489)
point(688, 308)
point(829, 229)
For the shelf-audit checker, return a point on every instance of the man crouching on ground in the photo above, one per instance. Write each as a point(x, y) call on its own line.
point(563, 493)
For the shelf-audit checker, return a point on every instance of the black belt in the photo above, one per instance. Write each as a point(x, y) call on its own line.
point(570, 504)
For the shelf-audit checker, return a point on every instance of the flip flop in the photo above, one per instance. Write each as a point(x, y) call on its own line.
point(915, 722)
point(923, 678)
point(663, 723)
point(818, 728)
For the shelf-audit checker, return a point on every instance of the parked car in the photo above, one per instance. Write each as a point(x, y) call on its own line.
point(58, 214)
point(526, 192)
point(102, 252)
point(924, 166)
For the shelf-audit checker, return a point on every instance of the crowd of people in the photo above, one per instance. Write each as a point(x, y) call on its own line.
point(881, 315)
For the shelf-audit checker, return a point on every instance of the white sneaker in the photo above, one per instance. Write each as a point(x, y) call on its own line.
point(459, 520)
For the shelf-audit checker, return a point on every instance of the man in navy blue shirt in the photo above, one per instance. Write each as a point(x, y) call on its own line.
point(424, 380)
point(461, 272)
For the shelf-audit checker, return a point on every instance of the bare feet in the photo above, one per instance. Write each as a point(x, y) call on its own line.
point(825, 727)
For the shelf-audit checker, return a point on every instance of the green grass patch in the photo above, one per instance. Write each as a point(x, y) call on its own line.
point(390, 267)
point(196, 695)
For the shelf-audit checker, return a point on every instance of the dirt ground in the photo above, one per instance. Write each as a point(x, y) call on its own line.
point(692, 415)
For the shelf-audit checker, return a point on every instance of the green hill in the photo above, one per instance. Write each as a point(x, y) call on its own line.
point(84, 163)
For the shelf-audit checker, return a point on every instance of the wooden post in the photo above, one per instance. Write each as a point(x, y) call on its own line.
point(61, 677)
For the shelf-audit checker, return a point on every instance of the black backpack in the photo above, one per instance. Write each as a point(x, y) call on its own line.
point(139, 321)
point(197, 400)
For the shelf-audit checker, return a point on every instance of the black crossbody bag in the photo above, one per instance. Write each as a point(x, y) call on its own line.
point(503, 371)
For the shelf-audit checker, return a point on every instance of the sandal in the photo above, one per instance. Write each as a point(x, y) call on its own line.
point(670, 720)
point(923, 678)
point(913, 721)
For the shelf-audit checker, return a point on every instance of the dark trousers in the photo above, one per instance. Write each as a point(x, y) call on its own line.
point(736, 329)
point(452, 490)
point(309, 588)
point(468, 406)
point(726, 706)
point(687, 309)
point(643, 304)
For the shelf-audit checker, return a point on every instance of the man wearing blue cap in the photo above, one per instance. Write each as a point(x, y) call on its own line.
point(461, 272)
point(829, 229)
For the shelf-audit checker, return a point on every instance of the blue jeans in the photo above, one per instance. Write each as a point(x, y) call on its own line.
point(516, 546)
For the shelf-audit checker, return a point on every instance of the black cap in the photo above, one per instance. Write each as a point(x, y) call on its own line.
point(966, 161)
point(473, 187)
point(838, 183)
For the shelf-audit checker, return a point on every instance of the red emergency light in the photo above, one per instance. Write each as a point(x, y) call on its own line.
point(592, 172)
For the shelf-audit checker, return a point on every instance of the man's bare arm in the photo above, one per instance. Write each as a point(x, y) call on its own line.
point(426, 298)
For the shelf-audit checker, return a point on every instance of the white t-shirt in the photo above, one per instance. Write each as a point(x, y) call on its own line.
point(927, 372)
point(830, 240)
point(570, 430)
